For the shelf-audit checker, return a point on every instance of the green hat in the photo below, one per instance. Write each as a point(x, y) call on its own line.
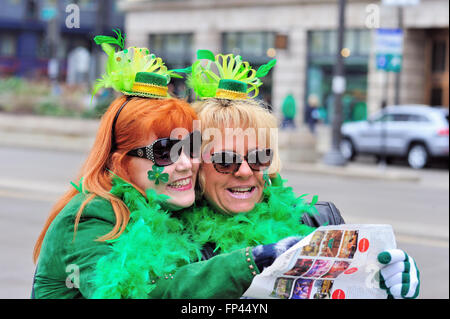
point(149, 84)
point(133, 71)
point(235, 79)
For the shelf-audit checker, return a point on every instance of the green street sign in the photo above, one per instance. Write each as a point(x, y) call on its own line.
point(389, 62)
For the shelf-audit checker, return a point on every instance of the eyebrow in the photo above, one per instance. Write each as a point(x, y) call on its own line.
point(233, 151)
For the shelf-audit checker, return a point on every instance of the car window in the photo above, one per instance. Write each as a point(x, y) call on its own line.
point(416, 118)
point(385, 118)
point(400, 117)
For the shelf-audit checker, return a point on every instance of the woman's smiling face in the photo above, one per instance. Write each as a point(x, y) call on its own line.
point(182, 178)
point(235, 192)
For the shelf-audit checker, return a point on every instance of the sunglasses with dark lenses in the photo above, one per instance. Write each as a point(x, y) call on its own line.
point(166, 151)
point(228, 162)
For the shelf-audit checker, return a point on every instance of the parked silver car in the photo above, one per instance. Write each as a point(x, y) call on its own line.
point(415, 132)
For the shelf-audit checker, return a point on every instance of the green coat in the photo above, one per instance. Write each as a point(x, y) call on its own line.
point(64, 256)
point(288, 108)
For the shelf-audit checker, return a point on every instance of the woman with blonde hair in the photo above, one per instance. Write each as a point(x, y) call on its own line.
point(245, 202)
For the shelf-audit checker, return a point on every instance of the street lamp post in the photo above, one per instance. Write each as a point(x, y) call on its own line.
point(334, 156)
point(398, 74)
point(52, 15)
point(102, 7)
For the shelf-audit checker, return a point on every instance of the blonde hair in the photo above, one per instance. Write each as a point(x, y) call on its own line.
point(244, 114)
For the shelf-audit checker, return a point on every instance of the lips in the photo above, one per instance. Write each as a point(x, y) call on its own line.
point(181, 184)
point(241, 192)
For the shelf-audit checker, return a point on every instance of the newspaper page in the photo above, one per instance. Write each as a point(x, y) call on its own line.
point(333, 262)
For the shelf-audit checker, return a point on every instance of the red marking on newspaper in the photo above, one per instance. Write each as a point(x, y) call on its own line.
point(338, 294)
point(363, 245)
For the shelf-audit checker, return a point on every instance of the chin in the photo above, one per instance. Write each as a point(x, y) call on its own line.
point(244, 208)
point(180, 204)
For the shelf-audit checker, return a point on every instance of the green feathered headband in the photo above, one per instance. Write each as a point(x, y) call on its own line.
point(233, 78)
point(133, 71)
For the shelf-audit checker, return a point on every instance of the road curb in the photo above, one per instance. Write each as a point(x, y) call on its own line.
point(353, 171)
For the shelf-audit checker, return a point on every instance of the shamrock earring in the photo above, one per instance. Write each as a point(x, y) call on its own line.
point(266, 178)
point(157, 175)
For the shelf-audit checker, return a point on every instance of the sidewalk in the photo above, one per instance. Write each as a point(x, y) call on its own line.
point(355, 170)
point(65, 134)
point(299, 151)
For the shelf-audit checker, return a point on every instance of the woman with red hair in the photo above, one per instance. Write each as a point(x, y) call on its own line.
point(116, 234)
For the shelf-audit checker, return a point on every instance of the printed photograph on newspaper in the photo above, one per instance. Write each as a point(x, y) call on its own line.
point(333, 262)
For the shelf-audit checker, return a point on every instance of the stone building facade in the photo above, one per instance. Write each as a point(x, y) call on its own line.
point(291, 30)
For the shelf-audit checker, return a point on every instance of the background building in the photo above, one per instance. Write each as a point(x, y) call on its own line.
point(301, 35)
point(34, 31)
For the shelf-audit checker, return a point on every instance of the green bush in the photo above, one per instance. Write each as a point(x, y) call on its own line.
point(21, 96)
point(52, 108)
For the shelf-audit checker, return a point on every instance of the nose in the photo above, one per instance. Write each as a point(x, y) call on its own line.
point(244, 170)
point(183, 163)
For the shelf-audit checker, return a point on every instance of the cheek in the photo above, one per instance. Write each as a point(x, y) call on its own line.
point(211, 180)
point(195, 169)
point(260, 179)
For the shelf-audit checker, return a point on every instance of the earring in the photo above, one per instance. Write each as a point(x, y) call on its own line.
point(267, 181)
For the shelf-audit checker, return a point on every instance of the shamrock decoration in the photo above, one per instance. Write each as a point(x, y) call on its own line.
point(157, 175)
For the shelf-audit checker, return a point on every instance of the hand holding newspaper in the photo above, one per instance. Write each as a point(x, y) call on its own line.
point(333, 262)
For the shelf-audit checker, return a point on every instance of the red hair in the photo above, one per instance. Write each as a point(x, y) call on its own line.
point(137, 120)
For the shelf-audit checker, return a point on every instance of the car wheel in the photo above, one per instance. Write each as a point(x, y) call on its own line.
point(417, 156)
point(347, 149)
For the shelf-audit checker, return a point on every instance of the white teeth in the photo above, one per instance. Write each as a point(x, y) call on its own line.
point(182, 182)
point(241, 189)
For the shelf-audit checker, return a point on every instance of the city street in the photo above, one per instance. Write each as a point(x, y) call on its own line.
point(31, 180)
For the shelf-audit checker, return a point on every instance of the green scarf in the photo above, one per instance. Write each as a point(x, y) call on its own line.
point(153, 244)
point(277, 216)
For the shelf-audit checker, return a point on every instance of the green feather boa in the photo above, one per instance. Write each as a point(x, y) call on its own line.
point(277, 216)
point(152, 245)
point(155, 244)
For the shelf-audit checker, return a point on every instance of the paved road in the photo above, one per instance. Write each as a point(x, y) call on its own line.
point(418, 212)
point(31, 180)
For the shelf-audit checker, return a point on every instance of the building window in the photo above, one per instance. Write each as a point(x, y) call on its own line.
point(437, 69)
point(85, 5)
point(175, 49)
point(31, 9)
point(436, 96)
point(252, 46)
point(7, 45)
point(257, 48)
point(438, 56)
point(324, 42)
point(322, 50)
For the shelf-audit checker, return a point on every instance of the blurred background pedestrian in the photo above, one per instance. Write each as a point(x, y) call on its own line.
point(289, 110)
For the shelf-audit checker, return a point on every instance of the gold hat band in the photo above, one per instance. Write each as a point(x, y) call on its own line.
point(232, 95)
point(150, 88)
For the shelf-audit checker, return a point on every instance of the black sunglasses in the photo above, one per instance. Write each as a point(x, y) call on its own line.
point(166, 151)
point(228, 162)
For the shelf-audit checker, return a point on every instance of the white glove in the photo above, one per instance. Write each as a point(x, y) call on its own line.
point(400, 275)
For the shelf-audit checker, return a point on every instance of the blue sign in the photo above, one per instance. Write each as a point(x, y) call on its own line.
point(389, 49)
